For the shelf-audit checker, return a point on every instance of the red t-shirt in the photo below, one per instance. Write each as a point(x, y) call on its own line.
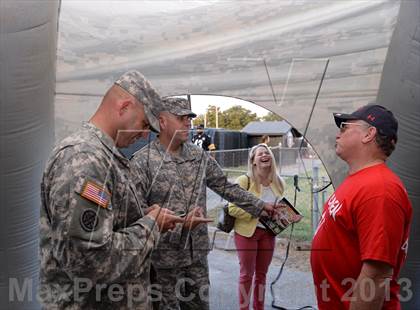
point(367, 218)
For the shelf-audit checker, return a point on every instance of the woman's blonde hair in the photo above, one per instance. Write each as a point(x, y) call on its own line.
point(273, 176)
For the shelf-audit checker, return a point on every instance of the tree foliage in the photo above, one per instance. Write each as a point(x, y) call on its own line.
point(211, 118)
point(234, 118)
point(198, 120)
point(270, 117)
point(238, 117)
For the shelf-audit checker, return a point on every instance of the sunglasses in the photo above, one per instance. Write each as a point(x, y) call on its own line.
point(344, 125)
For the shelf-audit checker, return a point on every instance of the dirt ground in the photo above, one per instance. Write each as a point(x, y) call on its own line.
point(299, 253)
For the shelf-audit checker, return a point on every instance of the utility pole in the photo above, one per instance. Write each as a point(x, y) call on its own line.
point(189, 102)
point(217, 118)
point(205, 119)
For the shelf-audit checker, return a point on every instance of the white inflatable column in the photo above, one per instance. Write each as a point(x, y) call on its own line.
point(28, 43)
point(400, 91)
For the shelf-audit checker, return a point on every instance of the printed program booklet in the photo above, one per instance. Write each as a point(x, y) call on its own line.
point(282, 218)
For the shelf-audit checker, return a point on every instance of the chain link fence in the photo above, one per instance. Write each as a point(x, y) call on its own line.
point(291, 161)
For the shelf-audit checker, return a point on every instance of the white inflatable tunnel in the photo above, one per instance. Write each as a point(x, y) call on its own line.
point(366, 49)
point(28, 32)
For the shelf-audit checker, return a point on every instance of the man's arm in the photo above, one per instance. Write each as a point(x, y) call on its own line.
point(372, 287)
point(141, 176)
point(380, 222)
point(243, 199)
point(84, 240)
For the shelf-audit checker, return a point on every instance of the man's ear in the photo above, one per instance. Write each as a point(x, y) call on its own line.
point(369, 135)
point(162, 122)
point(123, 105)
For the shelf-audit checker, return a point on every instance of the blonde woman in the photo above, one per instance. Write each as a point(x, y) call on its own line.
point(254, 244)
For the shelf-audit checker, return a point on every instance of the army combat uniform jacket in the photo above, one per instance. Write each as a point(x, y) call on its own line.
point(95, 243)
point(179, 183)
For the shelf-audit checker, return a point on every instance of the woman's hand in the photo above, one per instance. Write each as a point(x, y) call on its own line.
point(297, 218)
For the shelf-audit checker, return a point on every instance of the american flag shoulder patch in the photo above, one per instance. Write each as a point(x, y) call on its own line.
point(97, 194)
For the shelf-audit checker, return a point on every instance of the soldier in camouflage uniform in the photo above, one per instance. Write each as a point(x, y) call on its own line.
point(95, 240)
point(175, 174)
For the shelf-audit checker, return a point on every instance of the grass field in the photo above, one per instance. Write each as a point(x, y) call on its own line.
point(303, 231)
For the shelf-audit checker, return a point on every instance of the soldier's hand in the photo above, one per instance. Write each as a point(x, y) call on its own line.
point(164, 218)
point(196, 217)
point(270, 209)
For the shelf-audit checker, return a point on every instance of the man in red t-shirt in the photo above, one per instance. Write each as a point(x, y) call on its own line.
point(362, 239)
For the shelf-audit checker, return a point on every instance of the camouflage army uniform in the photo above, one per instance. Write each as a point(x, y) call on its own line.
point(179, 183)
point(88, 238)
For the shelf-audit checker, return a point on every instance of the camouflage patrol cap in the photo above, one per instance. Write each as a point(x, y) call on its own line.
point(178, 106)
point(137, 85)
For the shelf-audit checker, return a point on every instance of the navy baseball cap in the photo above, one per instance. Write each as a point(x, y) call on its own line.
point(375, 115)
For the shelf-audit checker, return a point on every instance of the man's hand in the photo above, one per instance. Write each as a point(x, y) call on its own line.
point(269, 208)
point(164, 218)
point(196, 217)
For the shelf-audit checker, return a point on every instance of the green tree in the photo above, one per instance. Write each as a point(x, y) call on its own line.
point(198, 120)
point(211, 118)
point(237, 118)
point(270, 116)
point(234, 118)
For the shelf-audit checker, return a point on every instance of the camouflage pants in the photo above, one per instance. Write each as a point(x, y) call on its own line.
point(185, 288)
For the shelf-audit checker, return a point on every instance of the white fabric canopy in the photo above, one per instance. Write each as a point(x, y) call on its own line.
point(198, 47)
point(219, 47)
